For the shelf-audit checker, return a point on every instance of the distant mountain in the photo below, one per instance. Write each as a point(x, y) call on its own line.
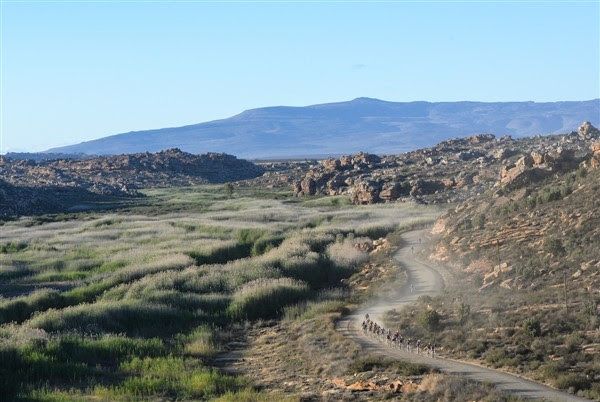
point(361, 124)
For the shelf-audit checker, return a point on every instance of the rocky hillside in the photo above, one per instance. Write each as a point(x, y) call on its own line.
point(26, 200)
point(531, 230)
point(32, 187)
point(452, 171)
point(526, 253)
point(123, 174)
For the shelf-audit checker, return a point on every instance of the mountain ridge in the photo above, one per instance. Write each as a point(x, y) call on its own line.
point(368, 124)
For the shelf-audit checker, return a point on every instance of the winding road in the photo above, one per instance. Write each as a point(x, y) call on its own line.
point(428, 281)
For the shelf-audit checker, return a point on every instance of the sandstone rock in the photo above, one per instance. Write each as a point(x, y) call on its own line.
point(365, 159)
point(423, 187)
point(502, 154)
point(480, 138)
point(336, 185)
point(366, 192)
point(439, 226)
point(308, 186)
point(525, 161)
point(346, 161)
point(537, 157)
point(297, 188)
point(587, 131)
point(331, 164)
point(469, 155)
point(392, 191)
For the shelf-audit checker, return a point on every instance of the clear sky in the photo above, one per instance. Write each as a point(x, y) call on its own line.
point(74, 71)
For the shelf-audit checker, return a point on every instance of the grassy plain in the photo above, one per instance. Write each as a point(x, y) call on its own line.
point(134, 303)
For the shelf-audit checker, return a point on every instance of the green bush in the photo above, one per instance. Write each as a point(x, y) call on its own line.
point(266, 298)
point(169, 377)
point(221, 253)
point(12, 247)
point(430, 320)
point(21, 308)
point(374, 363)
point(532, 327)
point(130, 317)
point(573, 382)
point(266, 243)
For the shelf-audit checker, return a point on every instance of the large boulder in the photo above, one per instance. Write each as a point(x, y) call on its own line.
point(331, 164)
point(393, 190)
point(587, 131)
point(522, 173)
point(363, 159)
point(425, 187)
point(366, 192)
point(308, 186)
point(336, 185)
point(480, 138)
point(346, 161)
point(502, 153)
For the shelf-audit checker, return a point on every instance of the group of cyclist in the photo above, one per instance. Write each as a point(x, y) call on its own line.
point(396, 339)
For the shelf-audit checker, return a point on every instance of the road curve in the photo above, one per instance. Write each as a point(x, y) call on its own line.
point(427, 281)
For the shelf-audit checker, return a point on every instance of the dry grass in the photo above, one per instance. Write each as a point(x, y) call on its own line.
point(178, 267)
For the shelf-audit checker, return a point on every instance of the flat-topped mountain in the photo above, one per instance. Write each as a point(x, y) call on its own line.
point(366, 124)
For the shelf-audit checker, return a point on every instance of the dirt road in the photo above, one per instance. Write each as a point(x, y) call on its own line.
point(426, 280)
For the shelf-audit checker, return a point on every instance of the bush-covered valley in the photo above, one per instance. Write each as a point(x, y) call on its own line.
point(136, 303)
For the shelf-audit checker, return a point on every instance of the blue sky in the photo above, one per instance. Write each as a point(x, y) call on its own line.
point(74, 71)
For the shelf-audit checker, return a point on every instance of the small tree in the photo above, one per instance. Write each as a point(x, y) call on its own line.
point(229, 189)
point(464, 311)
point(430, 320)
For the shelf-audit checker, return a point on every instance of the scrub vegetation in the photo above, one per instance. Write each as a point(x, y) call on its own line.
point(135, 303)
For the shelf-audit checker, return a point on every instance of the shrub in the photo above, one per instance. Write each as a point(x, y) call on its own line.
point(573, 382)
point(464, 311)
point(169, 377)
point(221, 253)
point(200, 343)
point(430, 320)
point(12, 247)
point(373, 363)
point(130, 317)
point(345, 255)
point(21, 308)
point(266, 298)
point(266, 243)
point(554, 245)
point(532, 327)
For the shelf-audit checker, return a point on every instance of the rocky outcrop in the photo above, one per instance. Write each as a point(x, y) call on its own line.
point(26, 200)
point(537, 166)
point(595, 159)
point(366, 192)
point(451, 171)
point(393, 190)
point(588, 132)
point(425, 187)
point(124, 174)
